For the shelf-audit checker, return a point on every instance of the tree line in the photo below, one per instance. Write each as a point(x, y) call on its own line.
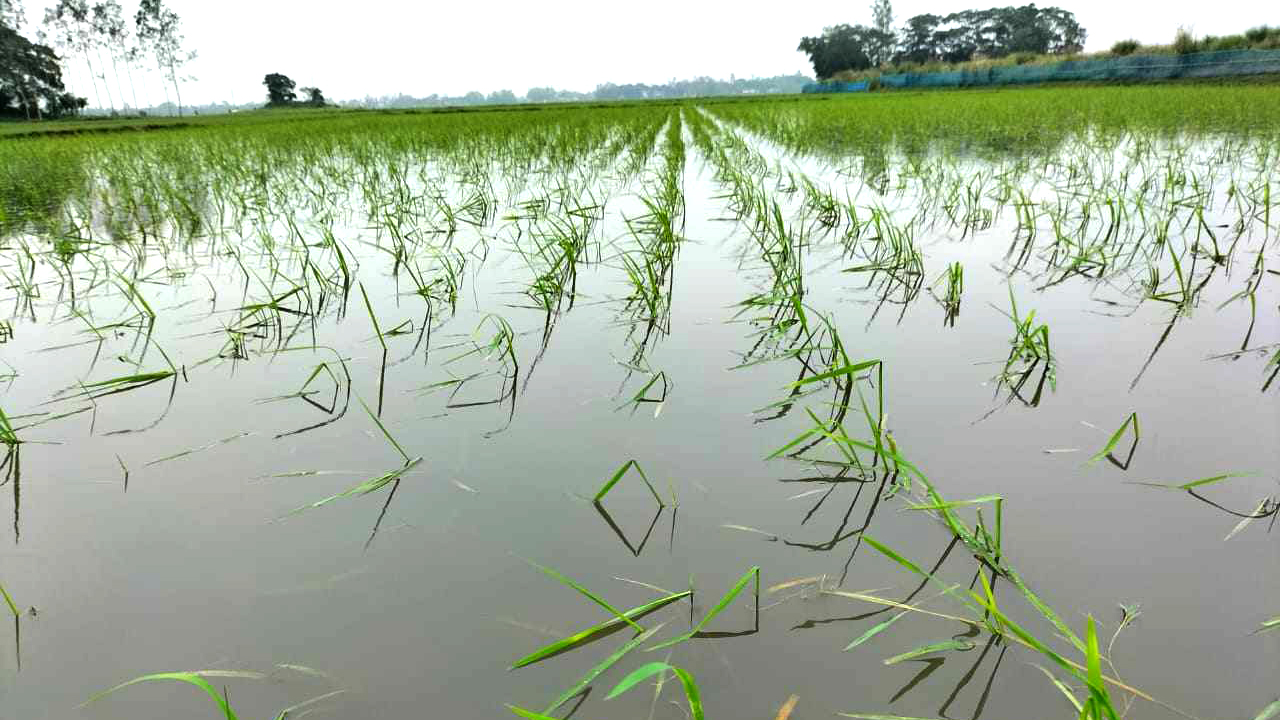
point(693, 87)
point(98, 47)
point(957, 37)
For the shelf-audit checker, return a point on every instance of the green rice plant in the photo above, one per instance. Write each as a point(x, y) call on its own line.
point(579, 687)
point(642, 396)
point(1270, 711)
point(596, 631)
point(8, 435)
point(191, 678)
point(555, 575)
point(647, 671)
point(617, 476)
point(988, 615)
point(372, 484)
point(382, 372)
point(1130, 422)
point(951, 295)
point(1029, 349)
point(198, 679)
point(1274, 362)
point(1192, 485)
point(500, 347)
point(8, 600)
point(729, 597)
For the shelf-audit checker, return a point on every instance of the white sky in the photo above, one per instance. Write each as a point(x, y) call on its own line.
point(378, 47)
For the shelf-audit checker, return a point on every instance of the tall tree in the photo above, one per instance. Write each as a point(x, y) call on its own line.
point(843, 47)
point(995, 32)
point(916, 41)
point(113, 33)
point(881, 50)
point(882, 15)
point(280, 89)
point(161, 29)
point(68, 25)
point(13, 15)
point(31, 77)
point(315, 96)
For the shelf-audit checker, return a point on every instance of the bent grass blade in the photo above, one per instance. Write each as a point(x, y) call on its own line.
point(720, 606)
point(1130, 422)
point(596, 671)
point(590, 633)
point(556, 575)
point(608, 485)
point(644, 672)
point(191, 678)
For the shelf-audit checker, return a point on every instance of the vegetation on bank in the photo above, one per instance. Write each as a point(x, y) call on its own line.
point(1259, 38)
point(982, 39)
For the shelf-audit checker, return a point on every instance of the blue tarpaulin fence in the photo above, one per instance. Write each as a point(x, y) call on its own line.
point(1222, 63)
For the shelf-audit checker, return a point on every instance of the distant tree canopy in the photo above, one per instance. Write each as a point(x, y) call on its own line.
point(31, 78)
point(958, 37)
point(844, 47)
point(279, 89)
point(314, 95)
point(280, 93)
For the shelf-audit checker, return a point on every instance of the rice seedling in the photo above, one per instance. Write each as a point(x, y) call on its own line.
point(596, 631)
point(647, 671)
point(8, 600)
point(950, 296)
point(1130, 423)
point(617, 476)
point(8, 435)
point(595, 672)
point(729, 597)
point(372, 484)
point(1029, 349)
point(200, 680)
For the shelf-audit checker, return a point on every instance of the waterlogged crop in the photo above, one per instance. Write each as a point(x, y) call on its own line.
point(511, 287)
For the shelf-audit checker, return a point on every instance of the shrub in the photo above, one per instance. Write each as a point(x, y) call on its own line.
point(1230, 42)
point(1259, 34)
point(1125, 47)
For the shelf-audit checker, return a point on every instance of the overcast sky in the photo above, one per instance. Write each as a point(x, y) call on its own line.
point(379, 47)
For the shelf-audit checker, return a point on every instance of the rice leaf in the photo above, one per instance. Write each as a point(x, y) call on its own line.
point(9, 601)
point(608, 485)
point(529, 714)
point(860, 716)
point(186, 677)
point(589, 595)
point(597, 670)
point(383, 428)
point(1062, 688)
point(645, 671)
point(584, 636)
point(874, 631)
point(1269, 711)
point(1131, 421)
point(956, 503)
point(720, 606)
point(929, 650)
point(364, 488)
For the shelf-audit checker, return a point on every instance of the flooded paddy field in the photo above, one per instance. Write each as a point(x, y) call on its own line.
point(950, 405)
